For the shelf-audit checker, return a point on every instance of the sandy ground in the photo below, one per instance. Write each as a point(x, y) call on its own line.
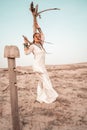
point(69, 112)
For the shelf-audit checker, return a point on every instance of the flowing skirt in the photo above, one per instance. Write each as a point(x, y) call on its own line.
point(45, 90)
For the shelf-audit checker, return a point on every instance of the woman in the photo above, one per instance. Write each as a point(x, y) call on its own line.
point(45, 90)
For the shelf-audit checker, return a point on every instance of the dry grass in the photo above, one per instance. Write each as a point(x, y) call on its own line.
point(69, 112)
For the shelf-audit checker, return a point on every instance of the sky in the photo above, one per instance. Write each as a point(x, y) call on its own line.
point(65, 28)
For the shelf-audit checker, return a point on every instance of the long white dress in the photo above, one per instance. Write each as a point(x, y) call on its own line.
point(45, 90)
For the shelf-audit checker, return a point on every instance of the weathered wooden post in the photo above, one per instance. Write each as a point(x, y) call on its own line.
point(12, 52)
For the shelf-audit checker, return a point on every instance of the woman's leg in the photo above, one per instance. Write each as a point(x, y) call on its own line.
point(45, 90)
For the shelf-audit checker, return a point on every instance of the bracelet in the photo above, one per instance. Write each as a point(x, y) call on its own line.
point(39, 29)
point(25, 45)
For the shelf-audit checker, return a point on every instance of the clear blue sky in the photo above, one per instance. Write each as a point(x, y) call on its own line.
point(66, 28)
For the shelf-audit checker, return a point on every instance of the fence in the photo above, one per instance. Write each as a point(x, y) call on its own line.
point(12, 52)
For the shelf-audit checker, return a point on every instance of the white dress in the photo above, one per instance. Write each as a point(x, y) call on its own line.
point(45, 90)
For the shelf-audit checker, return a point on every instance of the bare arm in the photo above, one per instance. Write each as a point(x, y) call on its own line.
point(36, 27)
point(40, 31)
point(27, 45)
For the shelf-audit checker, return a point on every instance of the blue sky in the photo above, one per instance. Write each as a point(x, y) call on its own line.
point(66, 29)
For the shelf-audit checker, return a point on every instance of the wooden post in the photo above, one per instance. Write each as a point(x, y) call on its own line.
point(12, 52)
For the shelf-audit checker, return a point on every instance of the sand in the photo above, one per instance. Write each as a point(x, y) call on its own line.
point(68, 112)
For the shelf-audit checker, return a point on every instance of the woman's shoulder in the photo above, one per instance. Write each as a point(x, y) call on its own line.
point(33, 45)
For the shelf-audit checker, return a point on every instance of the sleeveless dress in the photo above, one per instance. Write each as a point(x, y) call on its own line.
point(45, 91)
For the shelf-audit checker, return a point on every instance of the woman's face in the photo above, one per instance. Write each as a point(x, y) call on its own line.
point(37, 38)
